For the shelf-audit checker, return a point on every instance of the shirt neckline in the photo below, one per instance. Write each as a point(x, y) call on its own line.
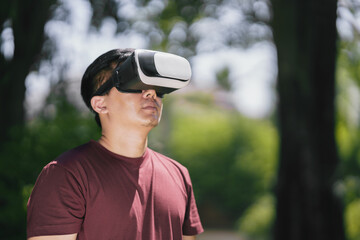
point(135, 162)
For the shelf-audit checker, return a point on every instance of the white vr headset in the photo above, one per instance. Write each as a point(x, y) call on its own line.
point(146, 69)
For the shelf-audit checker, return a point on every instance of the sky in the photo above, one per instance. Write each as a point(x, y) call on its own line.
point(253, 70)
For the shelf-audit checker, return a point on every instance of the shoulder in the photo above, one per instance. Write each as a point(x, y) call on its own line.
point(71, 161)
point(170, 163)
point(69, 167)
point(166, 159)
point(75, 153)
point(75, 156)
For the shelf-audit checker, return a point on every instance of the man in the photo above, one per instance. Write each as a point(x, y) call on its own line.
point(114, 188)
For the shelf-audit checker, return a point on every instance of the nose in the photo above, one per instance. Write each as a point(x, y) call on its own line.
point(149, 93)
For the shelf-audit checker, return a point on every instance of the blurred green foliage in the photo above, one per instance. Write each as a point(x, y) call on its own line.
point(348, 132)
point(59, 127)
point(257, 220)
point(231, 159)
point(352, 216)
point(255, 223)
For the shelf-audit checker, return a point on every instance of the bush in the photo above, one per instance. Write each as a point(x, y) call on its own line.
point(352, 220)
point(256, 223)
point(231, 159)
point(31, 148)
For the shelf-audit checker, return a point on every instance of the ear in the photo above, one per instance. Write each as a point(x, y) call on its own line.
point(98, 104)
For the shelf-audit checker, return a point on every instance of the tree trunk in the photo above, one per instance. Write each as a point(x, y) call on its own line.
point(305, 36)
point(27, 19)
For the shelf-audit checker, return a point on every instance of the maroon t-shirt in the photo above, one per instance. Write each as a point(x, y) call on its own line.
point(104, 196)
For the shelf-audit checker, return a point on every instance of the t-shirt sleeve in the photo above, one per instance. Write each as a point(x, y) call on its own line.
point(192, 223)
point(56, 205)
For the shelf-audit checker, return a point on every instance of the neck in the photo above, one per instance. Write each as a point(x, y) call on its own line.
point(125, 142)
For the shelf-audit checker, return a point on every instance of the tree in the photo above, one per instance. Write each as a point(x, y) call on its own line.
point(26, 19)
point(305, 36)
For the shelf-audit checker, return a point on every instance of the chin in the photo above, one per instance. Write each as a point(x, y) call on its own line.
point(153, 123)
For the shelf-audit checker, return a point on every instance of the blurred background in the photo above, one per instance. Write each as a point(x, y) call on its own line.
point(225, 127)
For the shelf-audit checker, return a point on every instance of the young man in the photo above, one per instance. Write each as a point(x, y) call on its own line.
point(115, 188)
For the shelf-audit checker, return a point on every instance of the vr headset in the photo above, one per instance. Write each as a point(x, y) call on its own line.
point(146, 69)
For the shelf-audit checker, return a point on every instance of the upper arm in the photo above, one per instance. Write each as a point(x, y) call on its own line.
point(189, 237)
point(56, 205)
point(55, 237)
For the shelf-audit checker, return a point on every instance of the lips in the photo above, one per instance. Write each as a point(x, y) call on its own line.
point(150, 106)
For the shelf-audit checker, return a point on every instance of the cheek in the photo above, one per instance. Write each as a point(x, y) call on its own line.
point(130, 105)
point(128, 110)
point(122, 108)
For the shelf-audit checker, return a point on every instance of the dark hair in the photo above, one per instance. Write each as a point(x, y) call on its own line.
point(98, 72)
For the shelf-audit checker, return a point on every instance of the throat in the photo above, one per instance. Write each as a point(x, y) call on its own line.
point(132, 146)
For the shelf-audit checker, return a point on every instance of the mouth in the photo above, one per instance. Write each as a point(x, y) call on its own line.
point(151, 107)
